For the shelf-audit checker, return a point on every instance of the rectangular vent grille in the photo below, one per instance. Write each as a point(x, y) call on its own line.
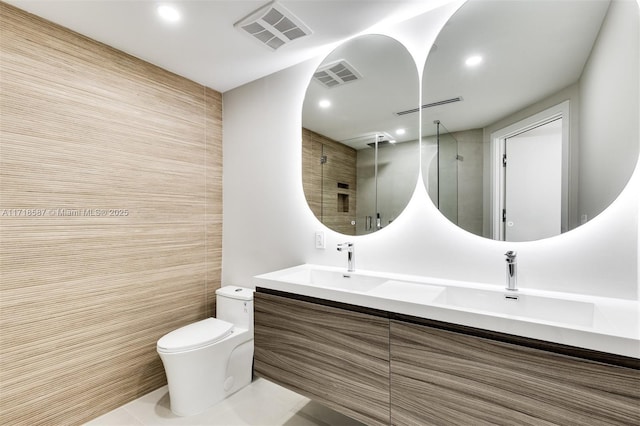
point(273, 25)
point(336, 74)
point(430, 105)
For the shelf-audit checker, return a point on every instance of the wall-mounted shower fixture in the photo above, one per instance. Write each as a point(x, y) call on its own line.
point(273, 25)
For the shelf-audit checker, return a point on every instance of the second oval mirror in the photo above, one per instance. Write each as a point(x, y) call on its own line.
point(530, 115)
point(360, 150)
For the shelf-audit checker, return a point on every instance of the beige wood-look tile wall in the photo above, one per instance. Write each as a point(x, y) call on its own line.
point(320, 182)
point(110, 220)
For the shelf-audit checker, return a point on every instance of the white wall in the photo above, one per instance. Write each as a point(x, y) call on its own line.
point(268, 225)
point(607, 112)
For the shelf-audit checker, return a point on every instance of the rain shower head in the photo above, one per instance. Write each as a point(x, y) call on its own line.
point(382, 139)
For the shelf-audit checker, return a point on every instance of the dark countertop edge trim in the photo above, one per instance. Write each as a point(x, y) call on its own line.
point(558, 348)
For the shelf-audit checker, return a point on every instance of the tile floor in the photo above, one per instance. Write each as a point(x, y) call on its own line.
point(262, 403)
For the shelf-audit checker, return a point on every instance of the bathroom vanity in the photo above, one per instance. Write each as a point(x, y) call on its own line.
point(327, 335)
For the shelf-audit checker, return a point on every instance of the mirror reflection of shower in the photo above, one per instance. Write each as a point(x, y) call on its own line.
point(443, 170)
point(368, 181)
point(363, 106)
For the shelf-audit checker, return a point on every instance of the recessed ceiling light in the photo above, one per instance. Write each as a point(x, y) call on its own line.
point(324, 103)
point(168, 13)
point(401, 132)
point(472, 61)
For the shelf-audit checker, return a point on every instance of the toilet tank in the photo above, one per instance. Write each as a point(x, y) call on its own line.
point(235, 305)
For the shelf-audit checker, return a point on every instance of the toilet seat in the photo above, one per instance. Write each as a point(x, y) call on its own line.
point(193, 336)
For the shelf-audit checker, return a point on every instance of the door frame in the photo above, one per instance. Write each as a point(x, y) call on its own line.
point(497, 172)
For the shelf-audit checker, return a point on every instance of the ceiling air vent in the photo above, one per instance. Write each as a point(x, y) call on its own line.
point(430, 105)
point(336, 74)
point(273, 25)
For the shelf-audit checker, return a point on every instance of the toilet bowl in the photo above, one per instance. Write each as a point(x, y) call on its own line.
point(208, 360)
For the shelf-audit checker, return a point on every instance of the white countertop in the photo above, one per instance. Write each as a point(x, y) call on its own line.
point(598, 323)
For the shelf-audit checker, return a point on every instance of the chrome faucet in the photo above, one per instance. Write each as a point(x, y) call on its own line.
point(512, 270)
point(351, 255)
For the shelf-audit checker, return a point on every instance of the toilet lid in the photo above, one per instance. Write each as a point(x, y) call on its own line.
point(196, 335)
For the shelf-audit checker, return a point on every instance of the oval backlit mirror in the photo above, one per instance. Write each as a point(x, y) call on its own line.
point(360, 150)
point(530, 115)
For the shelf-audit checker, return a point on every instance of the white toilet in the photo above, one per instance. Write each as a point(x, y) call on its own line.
point(210, 359)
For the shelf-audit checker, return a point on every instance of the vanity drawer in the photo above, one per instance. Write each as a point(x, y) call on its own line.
point(445, 377)
point(337, 357)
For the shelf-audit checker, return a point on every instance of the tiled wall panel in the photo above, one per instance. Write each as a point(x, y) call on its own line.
point(110, 219)
point(320, 181)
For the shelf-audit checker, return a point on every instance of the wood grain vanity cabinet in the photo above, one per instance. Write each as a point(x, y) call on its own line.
point(443, 377)
point(335, 356)
point(385, 368)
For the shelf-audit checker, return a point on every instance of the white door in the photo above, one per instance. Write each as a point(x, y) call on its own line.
point(533, 183)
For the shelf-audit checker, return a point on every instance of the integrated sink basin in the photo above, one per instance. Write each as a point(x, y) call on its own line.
point(496, 302)
point(334, 279)
point(515, 304)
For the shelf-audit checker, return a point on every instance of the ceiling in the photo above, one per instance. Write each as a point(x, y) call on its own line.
point(204, 46)
point(365, 108)
point(530, 50)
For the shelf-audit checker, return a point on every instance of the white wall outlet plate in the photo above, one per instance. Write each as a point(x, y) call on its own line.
point(320, 243)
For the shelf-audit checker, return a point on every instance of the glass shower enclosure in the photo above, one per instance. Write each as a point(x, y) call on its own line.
point(440, 155)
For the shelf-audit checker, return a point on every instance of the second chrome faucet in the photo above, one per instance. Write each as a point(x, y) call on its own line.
point(351, 255)
point(512, 270)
